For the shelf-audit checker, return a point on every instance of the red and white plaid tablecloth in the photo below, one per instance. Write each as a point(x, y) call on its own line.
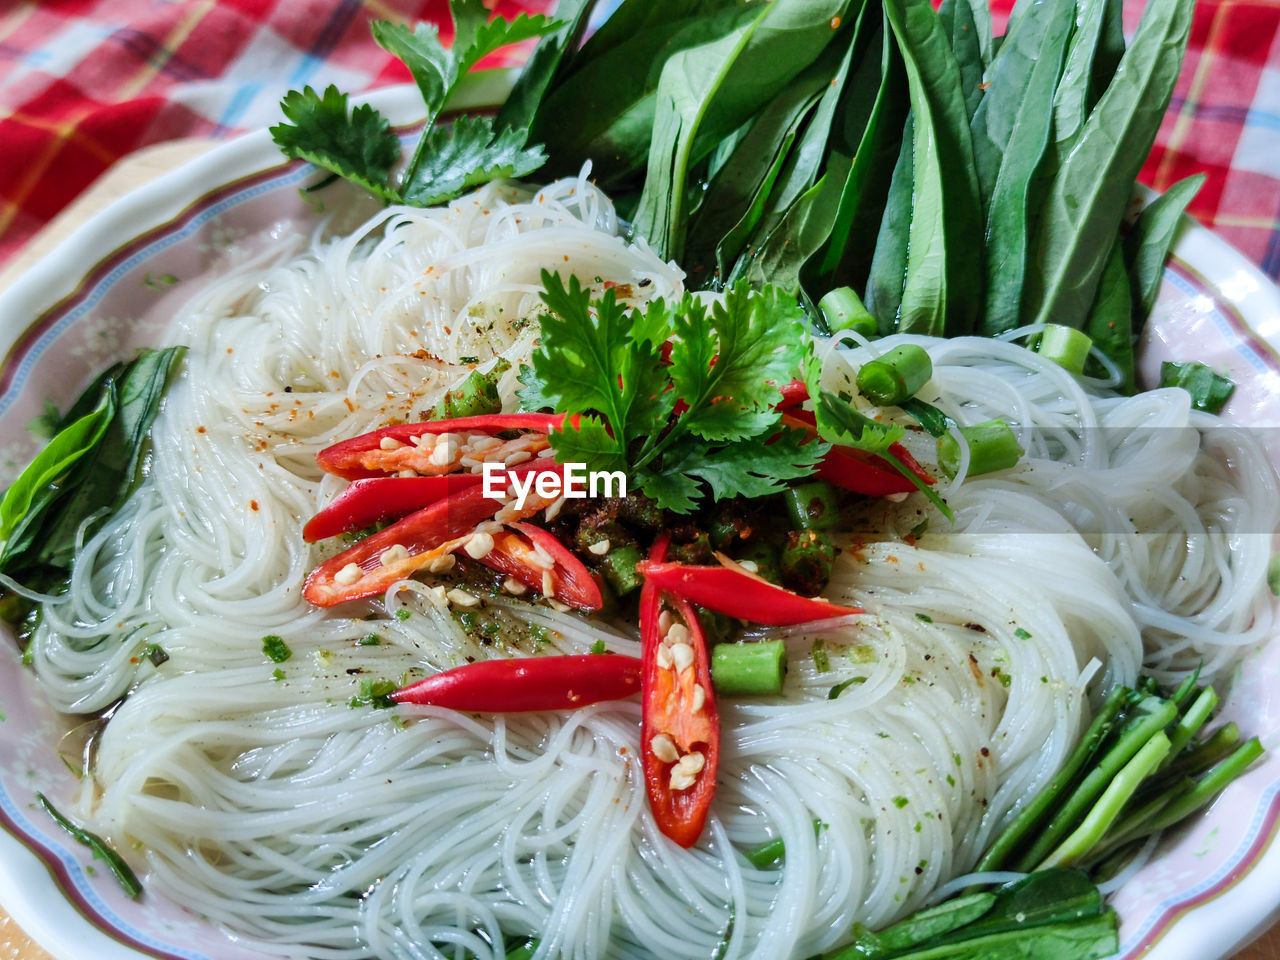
point(84, 82)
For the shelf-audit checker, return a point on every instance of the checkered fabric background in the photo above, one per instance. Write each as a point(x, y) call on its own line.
point(84, 82)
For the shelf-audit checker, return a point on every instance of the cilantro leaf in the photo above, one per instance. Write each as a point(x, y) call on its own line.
point(466, 154)
point(476, 36)
point(589, 360)
point(757, 342)
point(433, 66)
point(589, 442)
point(753, 467)
point(358, 144)
point(605, 362)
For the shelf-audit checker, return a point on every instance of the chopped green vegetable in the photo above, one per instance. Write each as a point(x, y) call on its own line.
point(1209, 391)
point(101, 849)
point(754, 668)
point(155, 653)
point(844, 310)
point(844, 685)
point(1065, 346)
point(1273, 575)
point(895, 376)
point(276, 650)
point(375, 693)
point(599, 647)
point(476, 395)
point(369, 640)
point(992, 446)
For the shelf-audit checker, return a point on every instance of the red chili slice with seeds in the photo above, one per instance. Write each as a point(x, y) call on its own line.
point(680, 731)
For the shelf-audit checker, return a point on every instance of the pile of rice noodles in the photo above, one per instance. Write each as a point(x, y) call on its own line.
point(1133, 533)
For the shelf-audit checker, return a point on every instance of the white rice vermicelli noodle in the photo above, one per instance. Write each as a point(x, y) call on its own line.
point(266, 802)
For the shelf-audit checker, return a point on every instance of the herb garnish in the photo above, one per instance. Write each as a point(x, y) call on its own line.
point(359, 145)
point(605, 361)
point(276, 649)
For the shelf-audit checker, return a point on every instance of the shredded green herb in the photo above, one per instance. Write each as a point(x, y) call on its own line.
point(276, 649)
point(101, 849)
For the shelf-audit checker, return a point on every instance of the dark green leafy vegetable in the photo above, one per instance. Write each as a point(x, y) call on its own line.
point(708, 91)
point(1209, 391)
point(1026, 75)
point(1055, 914)
point(1110, 321)
point(551, 60)
point(88, 470)
point(942, 288)
point(1148, 244)
point(888, 271)
point(101, 849)
point(1087, 199)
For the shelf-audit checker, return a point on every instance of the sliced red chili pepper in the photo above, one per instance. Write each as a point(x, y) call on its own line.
point(680, 732)
point(516, 553)
point(525, 685)
point(365, 456)
point(732, 590)
point(793, 394)
point(859, 471)
point(380, 498)
point(426, 536)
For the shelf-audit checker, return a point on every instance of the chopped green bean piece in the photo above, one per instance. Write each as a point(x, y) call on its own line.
point(1066, 346)
point(749, 669)
point(992, 446)
point(844, 310)
point(812, 506)
point(895, 376)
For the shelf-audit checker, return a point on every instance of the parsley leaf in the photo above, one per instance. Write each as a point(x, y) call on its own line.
point(605, 362)
point(466, 154)
point(357, 145)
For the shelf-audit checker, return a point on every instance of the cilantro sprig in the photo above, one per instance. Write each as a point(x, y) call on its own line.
point(359, 145)
point(606, 361)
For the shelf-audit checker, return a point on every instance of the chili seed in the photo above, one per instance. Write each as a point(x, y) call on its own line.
point(682, 656)
point(389, 443)
point(514, 587)
point(548, 585)
point(600, 548)
point(699, 697)
point(407, 473)
point(394, 554)
point(664, 748)
point(520, 456)
point(664, 657)
point(443, 563)
point(348, 574)
point(677, 633)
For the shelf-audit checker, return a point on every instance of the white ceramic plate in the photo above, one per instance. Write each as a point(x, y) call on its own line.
point(100, 294)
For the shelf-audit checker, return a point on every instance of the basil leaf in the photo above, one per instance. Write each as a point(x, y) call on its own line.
point(1023, 89)
point(1147, 247)
point(1110, 321)
point(707, 92)
point(1090, 190)
point(550, 61)
point(888, 270)
point(847, 258)
point(37, 485)
point(104, 480)
point(1209, 391)
point(942, 291)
